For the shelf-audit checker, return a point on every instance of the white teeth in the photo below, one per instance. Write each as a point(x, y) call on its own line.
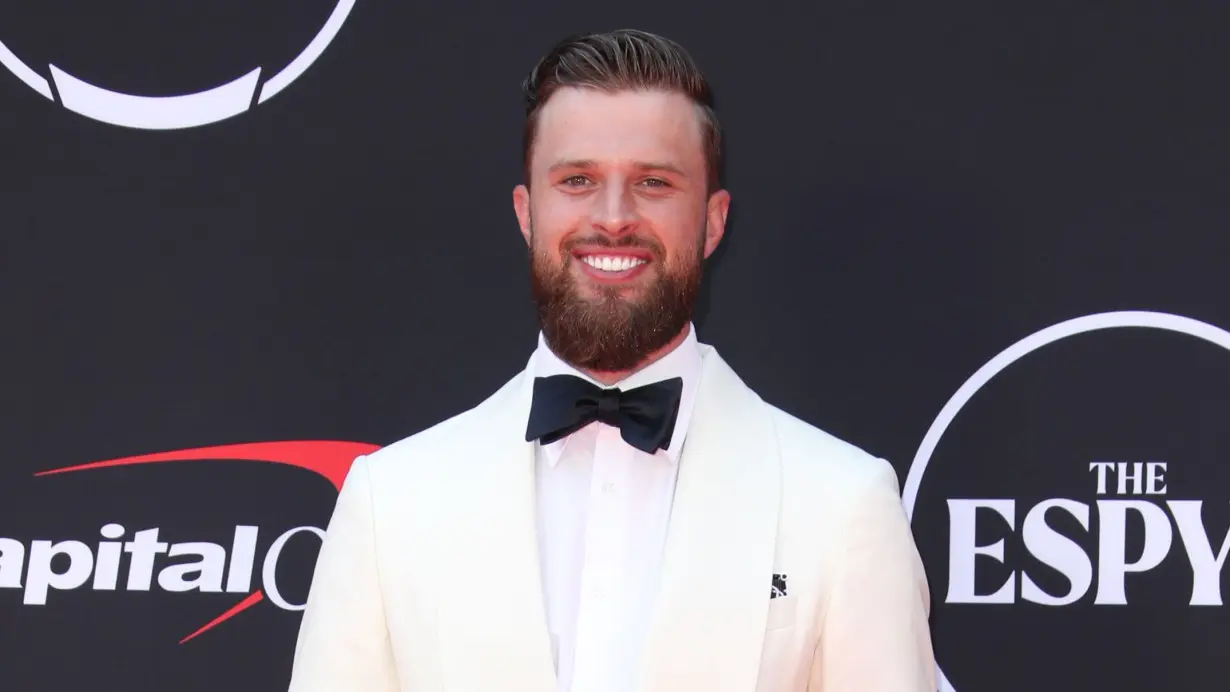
point(610, 263)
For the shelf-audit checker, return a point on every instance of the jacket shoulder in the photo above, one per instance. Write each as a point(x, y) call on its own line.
point(442, 441)
point(808, 452)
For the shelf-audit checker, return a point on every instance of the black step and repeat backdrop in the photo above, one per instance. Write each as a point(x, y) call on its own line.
point(242, 242)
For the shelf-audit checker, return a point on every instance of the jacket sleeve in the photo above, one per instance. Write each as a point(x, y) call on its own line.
point(875, 636)
point(343, 642)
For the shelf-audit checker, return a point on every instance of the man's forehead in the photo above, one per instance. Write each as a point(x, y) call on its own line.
point(587, 123)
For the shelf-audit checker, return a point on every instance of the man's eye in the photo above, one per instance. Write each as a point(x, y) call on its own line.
point(575, 180)
point(655, 182)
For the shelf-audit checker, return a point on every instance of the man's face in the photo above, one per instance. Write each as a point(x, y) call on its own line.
point(618, 223)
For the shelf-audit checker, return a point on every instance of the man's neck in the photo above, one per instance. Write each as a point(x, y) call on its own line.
point(610, 378)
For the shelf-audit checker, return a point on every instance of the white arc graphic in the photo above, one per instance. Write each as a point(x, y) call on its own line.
point(269, 571)
point(23, 72)
point(181, 111)
point(1022, 348)
point(155, 113)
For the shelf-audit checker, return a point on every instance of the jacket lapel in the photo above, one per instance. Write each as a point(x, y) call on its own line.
point(709, 622)
point(493, 628)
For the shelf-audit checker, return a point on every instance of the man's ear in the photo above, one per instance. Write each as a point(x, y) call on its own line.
point(521, 205)
point(715, 220)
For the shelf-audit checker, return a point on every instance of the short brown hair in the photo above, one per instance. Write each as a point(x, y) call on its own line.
point(623, 60)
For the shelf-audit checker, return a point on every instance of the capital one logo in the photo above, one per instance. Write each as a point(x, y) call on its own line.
point(149, 558)
point(1109, 517)
point(180, 111)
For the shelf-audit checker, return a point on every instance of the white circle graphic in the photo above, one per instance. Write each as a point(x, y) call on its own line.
point(269, 571)
point(1022, 348)
point(175, 112)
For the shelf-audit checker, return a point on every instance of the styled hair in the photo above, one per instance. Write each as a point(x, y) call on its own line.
point(623, 60)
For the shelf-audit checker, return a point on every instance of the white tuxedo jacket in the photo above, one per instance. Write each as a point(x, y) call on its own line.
point(428, 579)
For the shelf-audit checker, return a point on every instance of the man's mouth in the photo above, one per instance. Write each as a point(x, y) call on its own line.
point(612, 263)
point(612, 266)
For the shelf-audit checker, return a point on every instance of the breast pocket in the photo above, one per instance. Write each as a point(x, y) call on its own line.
point(781, 613)
point(779, 652)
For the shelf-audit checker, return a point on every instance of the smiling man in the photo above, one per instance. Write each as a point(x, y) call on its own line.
point(625, 514)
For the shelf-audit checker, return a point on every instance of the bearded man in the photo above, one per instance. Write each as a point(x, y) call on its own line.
point(625, 514)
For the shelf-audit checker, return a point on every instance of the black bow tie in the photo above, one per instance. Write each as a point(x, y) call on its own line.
point(564, 404)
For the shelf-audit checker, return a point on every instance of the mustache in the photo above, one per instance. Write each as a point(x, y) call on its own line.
point(623, 241)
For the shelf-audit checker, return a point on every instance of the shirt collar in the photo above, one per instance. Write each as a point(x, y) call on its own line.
point(683, 361)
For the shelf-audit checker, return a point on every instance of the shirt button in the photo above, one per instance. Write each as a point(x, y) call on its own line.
point(608, 488)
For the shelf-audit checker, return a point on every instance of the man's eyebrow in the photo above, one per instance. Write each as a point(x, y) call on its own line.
point(570, 163)
point(661, 166)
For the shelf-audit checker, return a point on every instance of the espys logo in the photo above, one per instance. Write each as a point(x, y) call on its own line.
point(211, 572)
point(182, 110)
point(1082, 482)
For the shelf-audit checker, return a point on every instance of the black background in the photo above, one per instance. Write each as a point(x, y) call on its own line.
point(916, 186)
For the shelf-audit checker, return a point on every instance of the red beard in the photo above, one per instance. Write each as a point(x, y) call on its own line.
point(610, 333)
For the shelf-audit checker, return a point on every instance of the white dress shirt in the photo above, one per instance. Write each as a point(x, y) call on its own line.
point(603, 509)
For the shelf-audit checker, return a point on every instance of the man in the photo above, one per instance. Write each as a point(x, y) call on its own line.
point(625, 515)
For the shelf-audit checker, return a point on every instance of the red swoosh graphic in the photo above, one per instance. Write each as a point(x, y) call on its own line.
point(329, 458)
point(252, 599)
